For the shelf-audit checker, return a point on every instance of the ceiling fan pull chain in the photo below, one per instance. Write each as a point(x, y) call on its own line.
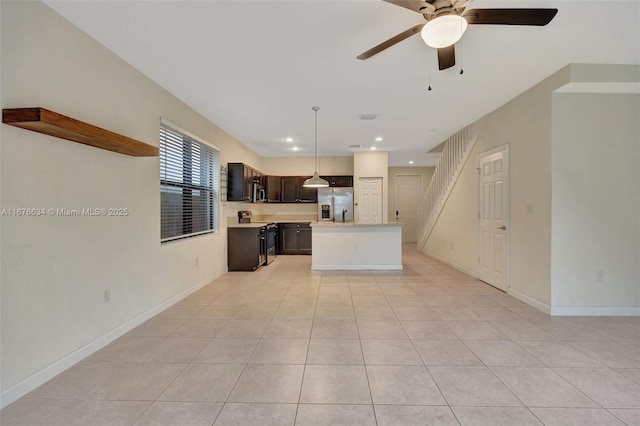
point(461, 68)
point(429, 88)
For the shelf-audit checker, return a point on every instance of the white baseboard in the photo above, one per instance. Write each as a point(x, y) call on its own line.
point(356, 267)
point(529, 301)
point(460, 268)
point(595, 311)
point(30, 383)
point(577, 311)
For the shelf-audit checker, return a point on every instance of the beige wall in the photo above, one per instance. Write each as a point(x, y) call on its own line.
point(303, 166)
point(596, 203)
point(581, 150)
point(54, 269)
point(371, 165)
point(524, 124)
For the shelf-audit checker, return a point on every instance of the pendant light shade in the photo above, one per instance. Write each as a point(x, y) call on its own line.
point(316, 181)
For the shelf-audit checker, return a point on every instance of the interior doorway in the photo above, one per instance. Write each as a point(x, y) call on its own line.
point(493, 217)
point(370, 200)
point(408, 195)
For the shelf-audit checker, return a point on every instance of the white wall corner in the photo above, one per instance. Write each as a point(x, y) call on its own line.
point(529, 301)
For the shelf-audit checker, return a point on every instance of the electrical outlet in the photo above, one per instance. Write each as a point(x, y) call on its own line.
point(451, 246)
point(600, 275)
point(197, 261)
point(106, 295)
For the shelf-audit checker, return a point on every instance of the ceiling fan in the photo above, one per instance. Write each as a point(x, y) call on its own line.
point(447, 21)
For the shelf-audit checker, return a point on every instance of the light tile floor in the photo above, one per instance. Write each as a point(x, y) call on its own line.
point(285, 345)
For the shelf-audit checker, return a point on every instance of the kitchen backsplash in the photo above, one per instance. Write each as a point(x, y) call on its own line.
point(285, 217)
point(274, 212)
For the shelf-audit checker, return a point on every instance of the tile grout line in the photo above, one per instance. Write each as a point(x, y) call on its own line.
point(304, 368)
point(364, 361)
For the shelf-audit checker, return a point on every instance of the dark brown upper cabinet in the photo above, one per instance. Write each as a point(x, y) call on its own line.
point(293, 190)
point(278, 189)
point(273, 189)
point(306, 195)
point(239, 183)
point(339, 181)
point(289, 189)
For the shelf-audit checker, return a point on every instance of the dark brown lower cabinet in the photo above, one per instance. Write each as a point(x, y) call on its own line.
point(246, 248)
point(295, 238)
point(304, 240)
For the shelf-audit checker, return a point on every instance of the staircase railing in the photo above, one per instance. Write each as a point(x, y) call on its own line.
point(454, 155)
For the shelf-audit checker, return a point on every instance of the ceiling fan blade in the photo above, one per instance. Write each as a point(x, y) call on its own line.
point(415, 5)
point(537, 17)
point(446, 57)
point(393, 40)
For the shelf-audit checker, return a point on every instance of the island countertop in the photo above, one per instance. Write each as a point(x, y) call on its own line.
point(262, 223)
point(329, 224)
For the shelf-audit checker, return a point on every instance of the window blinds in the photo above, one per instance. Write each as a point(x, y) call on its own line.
point(189, 185)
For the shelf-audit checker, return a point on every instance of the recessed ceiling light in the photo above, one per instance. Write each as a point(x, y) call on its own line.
point(288, 140)
point(411, 162)
point(294, 148)
point(373, 148)
point(379, 139)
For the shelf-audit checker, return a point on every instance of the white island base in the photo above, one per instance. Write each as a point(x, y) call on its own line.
point(355, 246)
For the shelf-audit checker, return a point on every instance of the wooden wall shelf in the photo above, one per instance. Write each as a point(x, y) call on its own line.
point(53, 124)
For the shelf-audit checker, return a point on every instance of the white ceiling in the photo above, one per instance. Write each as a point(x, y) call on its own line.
point(255, 68)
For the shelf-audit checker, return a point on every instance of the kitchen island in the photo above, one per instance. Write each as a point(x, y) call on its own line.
point(356, 246)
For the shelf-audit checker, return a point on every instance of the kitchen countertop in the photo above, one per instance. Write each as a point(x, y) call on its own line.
point(248, 225)
point(329, 224)
point(261, 224)
point(293, 221)
point(315, 224)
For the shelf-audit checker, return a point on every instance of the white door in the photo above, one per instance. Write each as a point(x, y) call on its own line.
point(407, 202)
point(494, 217)
point(370, 200)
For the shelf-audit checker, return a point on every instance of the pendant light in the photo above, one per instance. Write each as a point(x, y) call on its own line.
point(316, 181)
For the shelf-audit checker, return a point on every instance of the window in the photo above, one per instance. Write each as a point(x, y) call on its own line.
point(189, 184)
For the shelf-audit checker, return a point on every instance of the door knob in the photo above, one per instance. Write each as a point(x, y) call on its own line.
point(504, 228)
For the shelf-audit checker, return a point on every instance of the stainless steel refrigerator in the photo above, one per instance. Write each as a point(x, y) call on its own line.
point(332, 202)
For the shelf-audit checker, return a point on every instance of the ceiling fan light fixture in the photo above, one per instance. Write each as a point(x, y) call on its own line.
point(443, 31)
point(315, 181)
